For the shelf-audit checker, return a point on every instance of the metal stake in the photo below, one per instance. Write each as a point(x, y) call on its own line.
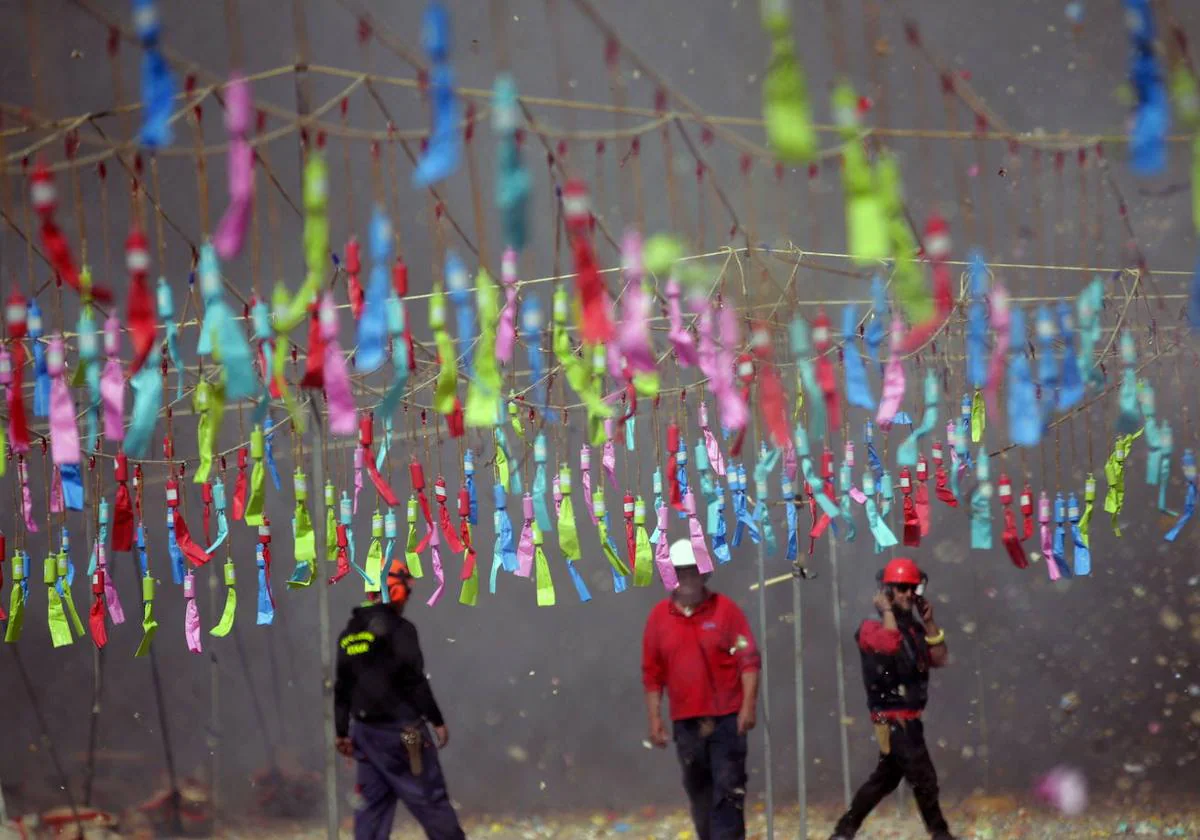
point(214, 720)
point(765, 693)
point(331, 795)
point(174, 823)
point(841, 668)
point(801, 755)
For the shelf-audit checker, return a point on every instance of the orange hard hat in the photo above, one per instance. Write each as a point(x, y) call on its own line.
point(902, 570)
point(399, 582)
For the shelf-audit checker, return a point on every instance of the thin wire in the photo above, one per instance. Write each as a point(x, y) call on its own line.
point(63, 124)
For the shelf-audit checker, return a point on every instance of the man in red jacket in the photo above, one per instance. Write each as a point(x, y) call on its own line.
point(699, 648)
point(897, 652)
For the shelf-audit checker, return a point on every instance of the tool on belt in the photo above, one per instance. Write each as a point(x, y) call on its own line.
point(414, 742)
point(883, 736)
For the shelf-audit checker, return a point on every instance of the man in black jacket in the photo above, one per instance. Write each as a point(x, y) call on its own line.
point(897, 651)
point(381, 683)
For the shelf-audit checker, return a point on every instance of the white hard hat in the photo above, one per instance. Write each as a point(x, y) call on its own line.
point(682, 554)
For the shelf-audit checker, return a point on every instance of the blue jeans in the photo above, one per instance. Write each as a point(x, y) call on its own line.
point(713, 757)
point(385, 778)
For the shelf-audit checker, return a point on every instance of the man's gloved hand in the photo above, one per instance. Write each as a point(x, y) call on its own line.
point(442, 735)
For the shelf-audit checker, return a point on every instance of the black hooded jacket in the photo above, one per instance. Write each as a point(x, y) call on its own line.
point(380, 672)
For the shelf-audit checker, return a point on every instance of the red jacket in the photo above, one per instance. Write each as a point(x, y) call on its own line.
point(698, 659)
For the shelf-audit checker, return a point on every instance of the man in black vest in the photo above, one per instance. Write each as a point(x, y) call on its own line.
point(897, 652)
point(381, 686)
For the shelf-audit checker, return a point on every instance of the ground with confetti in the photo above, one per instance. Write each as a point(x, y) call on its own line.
point(991, 818)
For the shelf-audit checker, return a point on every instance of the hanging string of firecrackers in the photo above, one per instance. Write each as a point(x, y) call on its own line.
point(710, 464)
point(1050, 381)
point(632, 351)
point(484, 403)
point(412, 557)
point(431, 539)
point(15, 328)
point(568, 539)
point(338, 395)
point(97, 626)
point(620, 571)
point(678, 444)
point(568, 533)
point(483, 406)
point(513, 182)
point(65, 577)
point(787, 112)
point(265, 603)
point(87, 371)
point(876, 522)
point(64, 431)
point(1069, 318)
point(818, 487)
point(59, 602)
point(381, 328)
point(182, 548)
point(229, 613)
point(1151, 119)
point(867, 230)
point(445, 399)
point(447, 402)
point(1185, 91)
point(881, 479)
point(987, 312)
point(20, 588)
point(12, 373)
point(99, 561)
point(1187, 463)
point(1020, 385)
point(1126, 423)
point(64, 481)
point(467, 516)
point(44, 197)
point(659, 534)
point(304, 543)
point(673, 469)
point(457, 290)
point(149, 622)
point(230, 235)
point(441, 155)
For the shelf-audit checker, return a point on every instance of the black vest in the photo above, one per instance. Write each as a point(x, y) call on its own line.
point(899, 682)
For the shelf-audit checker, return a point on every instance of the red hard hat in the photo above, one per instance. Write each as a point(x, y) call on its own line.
point(902, 570)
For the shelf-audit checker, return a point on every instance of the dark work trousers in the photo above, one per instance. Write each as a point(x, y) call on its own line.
point(384, 777)
point(908, 759)
point(714, 775)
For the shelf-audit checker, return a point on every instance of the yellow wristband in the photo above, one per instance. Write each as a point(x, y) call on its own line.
point(934, 641)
